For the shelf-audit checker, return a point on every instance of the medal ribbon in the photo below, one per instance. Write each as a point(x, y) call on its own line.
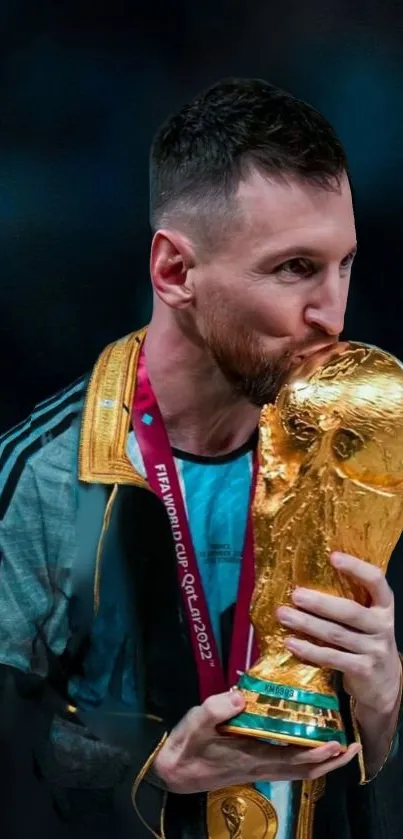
point(163, 479)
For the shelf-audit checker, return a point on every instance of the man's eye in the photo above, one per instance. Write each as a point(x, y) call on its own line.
point(348, 261)
point(297, 268)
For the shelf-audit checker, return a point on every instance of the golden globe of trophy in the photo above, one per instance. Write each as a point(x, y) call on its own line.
point(330, 479)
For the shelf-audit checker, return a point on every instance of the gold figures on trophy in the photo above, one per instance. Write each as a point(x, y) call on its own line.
point(234, 812)
point(330, 479)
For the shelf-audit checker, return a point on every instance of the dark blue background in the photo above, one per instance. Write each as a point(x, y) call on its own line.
point(83, 87)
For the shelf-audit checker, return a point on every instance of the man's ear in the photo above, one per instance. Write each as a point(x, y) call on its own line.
point(172, 258)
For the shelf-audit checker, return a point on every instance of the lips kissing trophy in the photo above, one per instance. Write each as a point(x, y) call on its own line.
point(330, 478)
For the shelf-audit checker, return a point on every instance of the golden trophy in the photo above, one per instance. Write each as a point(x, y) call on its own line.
point(330, 479)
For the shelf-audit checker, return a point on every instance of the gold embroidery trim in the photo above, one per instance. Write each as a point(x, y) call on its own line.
point(140, 778)
point(107, 415)
point(103, 459)
point(105, 428)
point(364, 778)
point(311, 792)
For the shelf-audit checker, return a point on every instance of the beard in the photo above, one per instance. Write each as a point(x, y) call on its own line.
point(246, 366)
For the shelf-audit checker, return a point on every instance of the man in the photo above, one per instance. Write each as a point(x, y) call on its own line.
point(254, 240)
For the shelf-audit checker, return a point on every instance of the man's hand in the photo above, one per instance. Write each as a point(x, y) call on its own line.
point(195, 758)
point(358, 640)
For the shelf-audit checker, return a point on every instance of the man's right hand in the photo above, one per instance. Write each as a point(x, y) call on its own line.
point(196, 758)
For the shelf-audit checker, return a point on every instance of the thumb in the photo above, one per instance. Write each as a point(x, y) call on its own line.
point(204, 719)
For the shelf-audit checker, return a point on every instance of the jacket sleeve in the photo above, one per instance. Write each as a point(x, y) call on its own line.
point(26, 595)
point(29, 625)
point(93, 754)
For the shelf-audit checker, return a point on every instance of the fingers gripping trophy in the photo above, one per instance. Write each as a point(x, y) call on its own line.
point(330, 478)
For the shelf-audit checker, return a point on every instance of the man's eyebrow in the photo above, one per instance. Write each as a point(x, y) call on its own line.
point(299, 250)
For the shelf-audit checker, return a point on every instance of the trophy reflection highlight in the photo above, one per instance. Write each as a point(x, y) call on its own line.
point(330, 478)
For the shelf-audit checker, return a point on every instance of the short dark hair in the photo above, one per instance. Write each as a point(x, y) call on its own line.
point(202, 152)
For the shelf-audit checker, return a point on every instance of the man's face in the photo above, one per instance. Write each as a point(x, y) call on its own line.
point(278, 287)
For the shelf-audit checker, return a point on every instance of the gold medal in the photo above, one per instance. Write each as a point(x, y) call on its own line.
point(240, 813)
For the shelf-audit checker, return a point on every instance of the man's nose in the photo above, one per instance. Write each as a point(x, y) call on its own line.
point(330, 323)
point(326, 312)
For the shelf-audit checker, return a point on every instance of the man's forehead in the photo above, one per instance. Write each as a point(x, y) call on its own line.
point(283, 211)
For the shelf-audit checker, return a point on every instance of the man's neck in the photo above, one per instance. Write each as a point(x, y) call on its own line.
point(202, 415)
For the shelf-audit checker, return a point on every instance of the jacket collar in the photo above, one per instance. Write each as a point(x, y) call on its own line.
point(107, 415)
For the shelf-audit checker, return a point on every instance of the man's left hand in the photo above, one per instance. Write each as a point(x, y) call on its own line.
point(357, 640)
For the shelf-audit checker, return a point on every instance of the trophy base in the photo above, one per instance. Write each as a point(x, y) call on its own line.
point(283, 715)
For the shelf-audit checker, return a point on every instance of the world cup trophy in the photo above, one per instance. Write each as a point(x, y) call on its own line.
point(330, 478)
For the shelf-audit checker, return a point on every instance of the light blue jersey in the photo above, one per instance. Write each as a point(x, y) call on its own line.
point(216, 492)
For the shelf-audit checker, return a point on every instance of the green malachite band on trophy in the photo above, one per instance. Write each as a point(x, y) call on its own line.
point(303, 697)
point(295, 729)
